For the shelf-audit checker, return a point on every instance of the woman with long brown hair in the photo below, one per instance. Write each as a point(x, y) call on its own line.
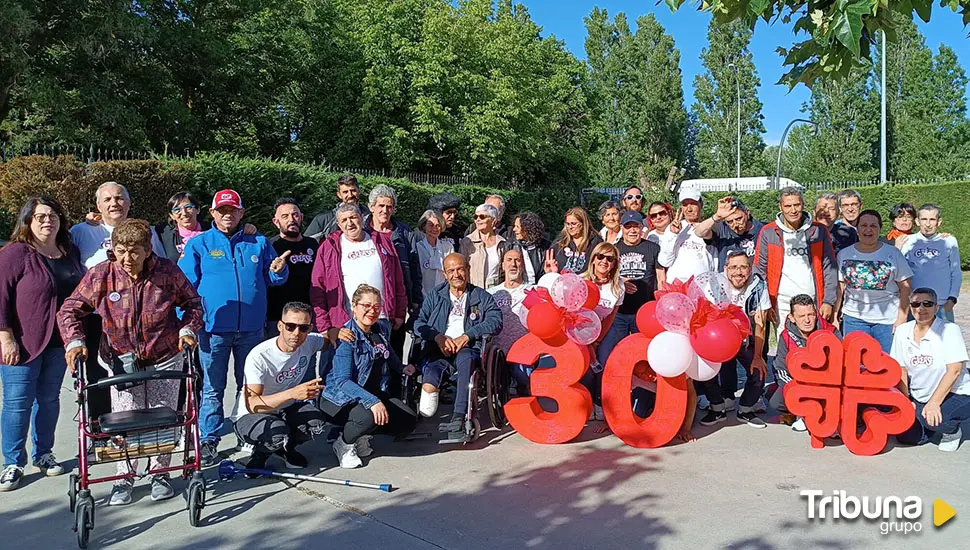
point(41, 267)
point(571, 251)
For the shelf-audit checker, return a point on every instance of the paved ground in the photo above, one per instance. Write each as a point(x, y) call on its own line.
point(736, 487)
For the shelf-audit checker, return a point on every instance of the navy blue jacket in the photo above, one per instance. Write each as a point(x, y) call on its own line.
point(482, 316)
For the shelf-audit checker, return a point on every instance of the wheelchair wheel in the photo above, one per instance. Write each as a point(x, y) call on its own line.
point(84, 520)
point(497, 381)
point(74, 483)
point(196, 498)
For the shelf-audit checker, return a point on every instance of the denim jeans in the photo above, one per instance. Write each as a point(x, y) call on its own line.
point(882, 333)
point(955, 410)
point(624, 324)
point(214, 350)
point(31, 395)
point(465, 361)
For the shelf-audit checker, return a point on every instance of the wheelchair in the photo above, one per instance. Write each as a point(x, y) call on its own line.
point(490, 380)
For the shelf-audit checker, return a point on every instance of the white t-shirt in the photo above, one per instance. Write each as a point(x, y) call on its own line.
point(739, 296)
point(456, 317)
point(530, 270)
point(796, 274)
point(935, 262)
point(431, 259)
point(360, 264)
point(608, 301)
point(872, 283)
point(926, 360)
point(94, 241)
point(274, 369)
point(492, 263)
point(654, 236)
point(684, 254)
point(509, 300)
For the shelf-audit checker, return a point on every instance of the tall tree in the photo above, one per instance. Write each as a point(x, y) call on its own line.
point(637, 100)
point(725, 59)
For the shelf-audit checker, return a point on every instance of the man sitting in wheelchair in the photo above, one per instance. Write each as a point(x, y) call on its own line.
point(453, 321)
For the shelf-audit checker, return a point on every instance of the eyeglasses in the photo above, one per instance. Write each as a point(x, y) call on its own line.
point(293, 327)
point(482, 216)
point(925, 303)
point(41, 218)
point(187, 208)
point(633, 197)
point(657, 214)
point(600, 257)
point(371, 307)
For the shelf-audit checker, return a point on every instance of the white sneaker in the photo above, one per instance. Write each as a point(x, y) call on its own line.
point(362, 446)
point(428, 405)
point(346, 454)
point(951, 442)
point(799, 425)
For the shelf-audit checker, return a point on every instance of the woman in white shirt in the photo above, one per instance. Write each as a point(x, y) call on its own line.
point(604, 272)
point(432, 250)
point(609, 213)
point(933, 355)
point(872, 276)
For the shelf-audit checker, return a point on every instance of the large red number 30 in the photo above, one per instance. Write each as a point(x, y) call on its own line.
point(669, 410)
point(560, 383)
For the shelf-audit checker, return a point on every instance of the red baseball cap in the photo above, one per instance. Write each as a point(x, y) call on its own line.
point(227, 197)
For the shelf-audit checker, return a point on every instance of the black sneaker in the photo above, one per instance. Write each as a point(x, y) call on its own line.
point(752, 419)
point(10, 478)
point(293, 459)
point(457, 423)
point(256, 462)
point(713, 417)
point(210, 453)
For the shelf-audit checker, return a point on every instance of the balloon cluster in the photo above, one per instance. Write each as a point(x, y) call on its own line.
point(694, 328)
point(561, 306)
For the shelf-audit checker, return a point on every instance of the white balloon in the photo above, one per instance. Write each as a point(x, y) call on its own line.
point(547, 280)
point(670, 354)
point(701, 370)
point(708, 285)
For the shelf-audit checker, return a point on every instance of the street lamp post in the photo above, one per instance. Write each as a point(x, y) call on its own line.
point(737, 81)
point(781, 147)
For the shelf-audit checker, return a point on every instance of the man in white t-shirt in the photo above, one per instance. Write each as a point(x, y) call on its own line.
point(509, 297)
point(933, 356)
point(276, 411)
point(935, 259)
point(683, 250)
point(748, 291)
point(94, 241)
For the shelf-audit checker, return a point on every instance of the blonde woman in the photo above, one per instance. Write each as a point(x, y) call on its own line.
point(604, 272)
point(571, 251)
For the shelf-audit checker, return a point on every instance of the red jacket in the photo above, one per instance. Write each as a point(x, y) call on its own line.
point(769, 260)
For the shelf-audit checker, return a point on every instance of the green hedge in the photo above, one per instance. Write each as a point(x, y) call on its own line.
point(953, 198)
point(260, 182)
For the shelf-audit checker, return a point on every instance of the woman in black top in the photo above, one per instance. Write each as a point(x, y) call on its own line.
point(530, 238)
point(570, 253)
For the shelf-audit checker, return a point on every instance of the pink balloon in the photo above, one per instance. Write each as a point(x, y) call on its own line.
point(586, 330)
point(674, 311)
point(700, 369)
point(669, 353)
point(569, 291)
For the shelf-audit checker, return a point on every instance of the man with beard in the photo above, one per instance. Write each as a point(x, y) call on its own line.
point(738, 231)
point(325, 223)
point(289, 220)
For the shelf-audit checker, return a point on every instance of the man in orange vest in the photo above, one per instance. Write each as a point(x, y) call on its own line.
point(794, 255)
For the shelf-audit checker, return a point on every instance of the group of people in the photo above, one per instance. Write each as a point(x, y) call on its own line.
point(316, 318)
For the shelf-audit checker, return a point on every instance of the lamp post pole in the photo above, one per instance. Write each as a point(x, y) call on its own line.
point(737, 82)
point(781, 147)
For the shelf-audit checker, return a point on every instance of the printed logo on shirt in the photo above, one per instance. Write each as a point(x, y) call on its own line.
point(693, 245)
point(302, 258)
point(365, 253)
point(748, 246)
point(295, 372)
point(633, 264)
point(457, 308)
point(867, 274)
point(928, 253)
point(568, 252)
point(106, 243)
point(502, 300)
point(920, 360)
point(796, 251)
point(217, 254)
point(380, 349)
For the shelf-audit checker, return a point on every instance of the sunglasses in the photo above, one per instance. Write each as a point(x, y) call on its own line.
point(657, 214)
point(293, 327)
point(925, 303)
point(606, 257)
point(482, 216)
point(187, 208)
point(633, 197)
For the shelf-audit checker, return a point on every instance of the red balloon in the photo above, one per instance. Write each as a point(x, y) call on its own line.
point(545, 320)
point(647, 320)
point(742, 318)
point(592, 295)
point(717, 341)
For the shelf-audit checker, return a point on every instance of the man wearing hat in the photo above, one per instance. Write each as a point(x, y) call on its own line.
point(639, 273)
point(684, 247)
point(448, 205)
point(231, 271)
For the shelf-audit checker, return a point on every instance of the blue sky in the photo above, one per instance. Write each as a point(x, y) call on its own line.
point(564, 19)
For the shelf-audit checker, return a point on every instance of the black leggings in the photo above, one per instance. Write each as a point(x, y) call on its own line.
point(358, 420)
point(267, 432)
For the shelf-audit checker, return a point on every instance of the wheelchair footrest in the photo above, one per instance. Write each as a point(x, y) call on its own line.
point(455, 441)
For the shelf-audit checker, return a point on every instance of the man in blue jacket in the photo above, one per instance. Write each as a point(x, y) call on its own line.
point(454, 319)
point(231, 271)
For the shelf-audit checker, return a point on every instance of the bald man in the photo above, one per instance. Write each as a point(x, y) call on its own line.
point(454, 319)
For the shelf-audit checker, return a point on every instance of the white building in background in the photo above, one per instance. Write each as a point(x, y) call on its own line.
point(759, 183)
